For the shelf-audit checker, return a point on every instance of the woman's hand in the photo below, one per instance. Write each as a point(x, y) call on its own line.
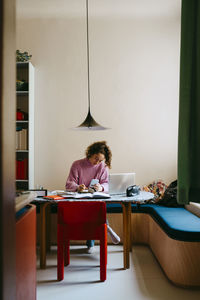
point(98, 187)
point(81, 188)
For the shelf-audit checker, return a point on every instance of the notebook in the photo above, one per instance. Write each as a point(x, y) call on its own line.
point(118, 182)
point(95, 195)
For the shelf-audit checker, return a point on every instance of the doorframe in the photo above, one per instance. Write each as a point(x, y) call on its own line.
point(7, 149)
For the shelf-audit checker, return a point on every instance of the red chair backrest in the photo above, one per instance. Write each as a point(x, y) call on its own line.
point(72, 213)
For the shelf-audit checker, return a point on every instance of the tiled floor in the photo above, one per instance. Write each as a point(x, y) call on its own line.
point(144, 279)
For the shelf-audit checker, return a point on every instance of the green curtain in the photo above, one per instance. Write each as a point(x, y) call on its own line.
point(189, 109)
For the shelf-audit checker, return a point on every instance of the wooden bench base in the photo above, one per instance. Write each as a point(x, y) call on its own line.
point(179, 260)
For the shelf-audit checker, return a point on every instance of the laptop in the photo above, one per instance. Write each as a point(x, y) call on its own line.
point(118, 182)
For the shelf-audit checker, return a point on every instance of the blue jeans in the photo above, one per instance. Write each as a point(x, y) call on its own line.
point(90, 243)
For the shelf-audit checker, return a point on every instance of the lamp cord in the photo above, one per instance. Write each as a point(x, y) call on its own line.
point(88, 57)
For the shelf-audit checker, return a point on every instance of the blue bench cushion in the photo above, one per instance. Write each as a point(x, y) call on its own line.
point(177, 222)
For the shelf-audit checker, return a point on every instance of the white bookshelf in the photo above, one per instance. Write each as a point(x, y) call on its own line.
point(25, 102)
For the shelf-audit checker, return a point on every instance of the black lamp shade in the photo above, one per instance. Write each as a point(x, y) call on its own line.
point(90, 124)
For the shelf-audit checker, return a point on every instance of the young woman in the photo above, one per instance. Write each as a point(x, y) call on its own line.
point(94, 166)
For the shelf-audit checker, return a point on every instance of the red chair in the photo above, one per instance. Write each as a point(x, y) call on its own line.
point(81, 221)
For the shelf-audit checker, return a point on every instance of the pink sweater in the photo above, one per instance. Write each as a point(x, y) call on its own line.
point(82, 172)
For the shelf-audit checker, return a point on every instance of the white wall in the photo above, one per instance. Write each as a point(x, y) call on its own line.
point(134, 64)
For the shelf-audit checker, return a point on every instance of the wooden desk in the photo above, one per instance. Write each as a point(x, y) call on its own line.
point(126, 208)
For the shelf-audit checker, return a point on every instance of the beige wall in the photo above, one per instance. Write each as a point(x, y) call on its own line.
point(134, 56)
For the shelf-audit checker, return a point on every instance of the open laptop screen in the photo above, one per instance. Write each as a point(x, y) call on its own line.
point(118, 182)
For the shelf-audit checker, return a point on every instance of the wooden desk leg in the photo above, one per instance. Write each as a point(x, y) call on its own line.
point(125, 235)
point(48, 228)
point(129, 226)
point(127, 205)
point(43, 234)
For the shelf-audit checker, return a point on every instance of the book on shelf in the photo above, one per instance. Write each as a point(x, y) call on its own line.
point(21, 139)
point(22, 169)
point(17, 140)
point(24, 135)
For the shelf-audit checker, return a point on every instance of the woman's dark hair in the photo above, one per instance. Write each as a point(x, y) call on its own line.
point(100, 147)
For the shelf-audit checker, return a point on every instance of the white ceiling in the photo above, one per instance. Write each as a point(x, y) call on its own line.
point(62, 8)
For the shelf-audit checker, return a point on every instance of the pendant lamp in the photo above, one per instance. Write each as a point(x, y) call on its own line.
point(89, 123)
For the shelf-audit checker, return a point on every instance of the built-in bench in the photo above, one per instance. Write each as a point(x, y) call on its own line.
point(172, 233)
